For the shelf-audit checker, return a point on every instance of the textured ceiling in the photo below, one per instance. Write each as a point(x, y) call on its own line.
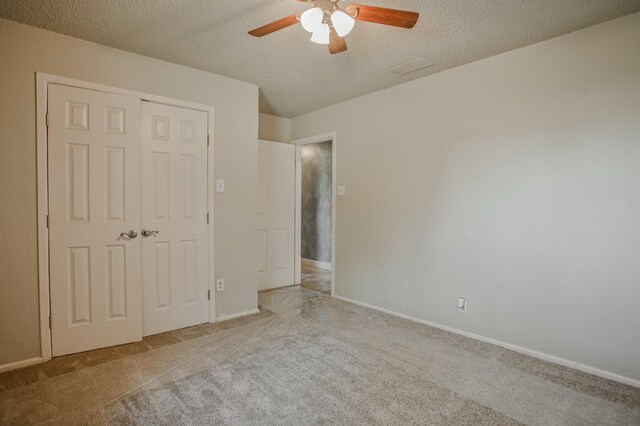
point(296, 76)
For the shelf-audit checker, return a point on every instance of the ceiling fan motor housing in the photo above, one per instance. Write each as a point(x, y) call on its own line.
point(330, 6)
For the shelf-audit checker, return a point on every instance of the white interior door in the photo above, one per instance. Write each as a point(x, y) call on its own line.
point(175, 257)
point(276, 218)
point(94, 196)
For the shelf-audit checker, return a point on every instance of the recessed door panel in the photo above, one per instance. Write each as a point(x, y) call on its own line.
point(79, 285)
point(115, 196)
point(114, 120)
point(159, 186)
point(78, 191)
point(190, 271)
point(188, 185)
point(116, 281)
point(77, 116)
point(188, 131)
point(160, 128)
point(162, 281)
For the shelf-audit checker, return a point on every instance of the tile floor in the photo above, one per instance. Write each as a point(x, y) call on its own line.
point(308, 358)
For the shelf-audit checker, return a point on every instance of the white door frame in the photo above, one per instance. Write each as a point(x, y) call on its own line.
point(42, 82)
point(325, 137)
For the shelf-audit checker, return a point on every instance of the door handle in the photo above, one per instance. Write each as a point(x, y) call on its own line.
point(131, 234)
point(149, 232)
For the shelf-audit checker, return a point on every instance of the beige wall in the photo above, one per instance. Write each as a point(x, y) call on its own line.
point(514, 182)
point(274, 128)
point(25, 50)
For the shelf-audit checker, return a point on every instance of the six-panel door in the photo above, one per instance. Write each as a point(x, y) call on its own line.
point(174, 209)
point(276, 220)
point(94, 196)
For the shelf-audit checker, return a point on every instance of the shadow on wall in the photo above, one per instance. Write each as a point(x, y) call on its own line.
point(316, 202)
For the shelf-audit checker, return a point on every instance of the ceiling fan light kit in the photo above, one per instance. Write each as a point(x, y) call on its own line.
point(312, 19)
point(328, 23)
point(321, 34)
point(342, 22)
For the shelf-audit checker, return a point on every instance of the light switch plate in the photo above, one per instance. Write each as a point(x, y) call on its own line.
point(220, 185)
point(462, 305)
point(342, 190)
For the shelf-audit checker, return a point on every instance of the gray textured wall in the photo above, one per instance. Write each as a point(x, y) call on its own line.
point(316, 201)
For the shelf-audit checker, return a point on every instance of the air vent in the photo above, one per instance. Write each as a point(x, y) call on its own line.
point(411, 66)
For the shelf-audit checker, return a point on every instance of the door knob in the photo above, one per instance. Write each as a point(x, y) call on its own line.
point(131, 234)
point(149, 232)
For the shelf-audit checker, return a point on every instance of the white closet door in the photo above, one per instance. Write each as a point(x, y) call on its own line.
point(175, 259)
point(94, 196)
point(276, 218)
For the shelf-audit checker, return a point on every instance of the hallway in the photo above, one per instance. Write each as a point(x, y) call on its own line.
point(316, 279)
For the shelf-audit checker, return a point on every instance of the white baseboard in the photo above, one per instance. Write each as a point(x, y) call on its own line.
point(20, 364)
point(316, 264)
point(540, 355)
point(238, 315)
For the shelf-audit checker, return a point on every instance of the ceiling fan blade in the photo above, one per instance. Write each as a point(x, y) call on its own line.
point(336, 43)
point(382, 15)
point(274, 26)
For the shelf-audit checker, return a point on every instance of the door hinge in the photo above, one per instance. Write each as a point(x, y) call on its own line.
point(46, 119)
point(208, 294)
point(207, 218)
point(208, 140)
point(49, 322)
point(47, 221)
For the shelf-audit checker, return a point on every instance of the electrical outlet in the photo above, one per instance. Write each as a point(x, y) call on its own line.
point(342, 190)
point(220, 284)
point(462, 305)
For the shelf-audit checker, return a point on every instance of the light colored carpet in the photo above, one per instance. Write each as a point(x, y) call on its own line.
point(311, 359)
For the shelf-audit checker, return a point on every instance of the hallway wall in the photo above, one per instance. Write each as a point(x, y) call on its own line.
point(316, 202)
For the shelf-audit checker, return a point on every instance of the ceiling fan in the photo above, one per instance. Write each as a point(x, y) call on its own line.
point(329, 23)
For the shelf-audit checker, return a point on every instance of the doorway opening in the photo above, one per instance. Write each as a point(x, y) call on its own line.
point(282, 168)
point(315, 215)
